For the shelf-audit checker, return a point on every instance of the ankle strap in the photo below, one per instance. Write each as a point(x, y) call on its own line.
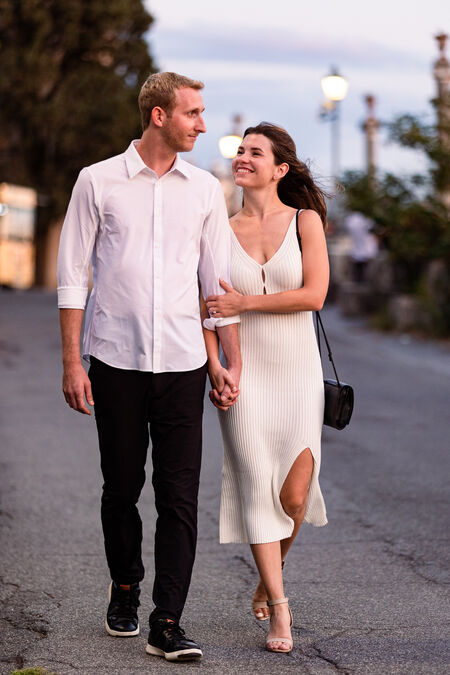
point(281, 601)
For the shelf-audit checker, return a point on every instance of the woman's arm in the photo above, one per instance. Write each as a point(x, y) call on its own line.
point(218, 375)
point(210, 336)
point(310, 296)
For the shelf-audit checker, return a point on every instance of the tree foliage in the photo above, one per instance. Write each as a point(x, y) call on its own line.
point(410, 216)
point(69, 81)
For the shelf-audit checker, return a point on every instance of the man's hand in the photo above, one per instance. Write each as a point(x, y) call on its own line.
point(76, 386)
point(224, 392)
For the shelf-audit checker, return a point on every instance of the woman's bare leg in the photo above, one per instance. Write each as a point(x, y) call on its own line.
point(294, 494)
point(268, 561)
point(293, 497)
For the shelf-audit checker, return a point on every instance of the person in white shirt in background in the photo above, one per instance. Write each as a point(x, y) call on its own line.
point(364, 245)
point(153, 226)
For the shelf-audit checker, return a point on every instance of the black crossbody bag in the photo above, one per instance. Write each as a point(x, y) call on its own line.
point(339, 396)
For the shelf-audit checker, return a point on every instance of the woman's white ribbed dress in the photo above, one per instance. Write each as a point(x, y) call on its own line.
point(279, 412)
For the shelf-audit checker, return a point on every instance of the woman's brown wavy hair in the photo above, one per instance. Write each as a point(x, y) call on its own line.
point(297, 188)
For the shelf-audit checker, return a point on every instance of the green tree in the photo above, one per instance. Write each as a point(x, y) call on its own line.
point(69, 81)
point(410, 213)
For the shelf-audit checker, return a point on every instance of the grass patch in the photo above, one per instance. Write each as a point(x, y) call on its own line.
point(32, 671)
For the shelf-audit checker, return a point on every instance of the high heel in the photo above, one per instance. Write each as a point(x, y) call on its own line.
point(287, 641)
point(258, 605)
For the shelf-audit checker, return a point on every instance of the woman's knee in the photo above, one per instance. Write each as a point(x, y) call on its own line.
point(294, 505)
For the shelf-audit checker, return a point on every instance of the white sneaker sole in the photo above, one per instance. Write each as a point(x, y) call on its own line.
point(118, 633)
point(181, 655)
point(121, 633)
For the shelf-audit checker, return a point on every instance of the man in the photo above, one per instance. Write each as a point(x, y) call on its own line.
point(153, 225)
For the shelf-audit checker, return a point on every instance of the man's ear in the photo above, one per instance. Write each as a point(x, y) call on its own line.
point(158, 116)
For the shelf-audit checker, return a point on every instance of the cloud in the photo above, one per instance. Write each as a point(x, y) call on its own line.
point(416, 84)
point(283, 47)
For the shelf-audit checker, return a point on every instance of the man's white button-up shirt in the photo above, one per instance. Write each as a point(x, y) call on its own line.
point(150, 239)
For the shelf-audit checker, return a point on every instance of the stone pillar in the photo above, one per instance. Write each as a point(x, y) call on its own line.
point(370, 128)
point(441, 72)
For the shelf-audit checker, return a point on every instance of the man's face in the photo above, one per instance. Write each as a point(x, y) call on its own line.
point(181, 129)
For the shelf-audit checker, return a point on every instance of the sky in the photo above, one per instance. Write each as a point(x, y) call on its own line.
point(264, 60)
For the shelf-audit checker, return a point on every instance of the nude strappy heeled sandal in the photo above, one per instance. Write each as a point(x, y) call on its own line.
point(287, 641)
point(260, 605)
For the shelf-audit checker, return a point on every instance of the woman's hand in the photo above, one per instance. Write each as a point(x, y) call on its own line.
point(228, 304)
point(224, 393)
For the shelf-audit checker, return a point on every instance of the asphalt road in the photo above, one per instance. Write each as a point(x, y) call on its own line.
point(369, 592)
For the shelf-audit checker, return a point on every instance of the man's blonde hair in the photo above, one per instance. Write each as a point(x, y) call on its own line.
point(159, 90)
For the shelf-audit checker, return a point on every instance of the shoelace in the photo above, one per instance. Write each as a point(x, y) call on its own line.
point(174, 629)
point(124, 603)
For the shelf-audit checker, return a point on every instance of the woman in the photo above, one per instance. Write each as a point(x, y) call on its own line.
point(272, 433)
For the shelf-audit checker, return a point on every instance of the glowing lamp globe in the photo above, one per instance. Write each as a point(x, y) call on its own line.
point(334, 87)
point(228, 145)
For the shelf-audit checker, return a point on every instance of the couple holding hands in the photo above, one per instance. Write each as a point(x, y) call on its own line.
point(154, 227)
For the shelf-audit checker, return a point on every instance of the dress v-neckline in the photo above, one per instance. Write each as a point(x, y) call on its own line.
point(271, 257)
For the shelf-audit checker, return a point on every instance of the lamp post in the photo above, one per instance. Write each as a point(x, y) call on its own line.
point(335, 88)
point(228, 146)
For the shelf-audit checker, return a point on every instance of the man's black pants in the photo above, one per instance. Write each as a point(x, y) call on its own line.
point(126, 403)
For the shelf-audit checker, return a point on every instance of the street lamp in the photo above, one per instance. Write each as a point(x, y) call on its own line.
point(229, 144)
point(335, 88)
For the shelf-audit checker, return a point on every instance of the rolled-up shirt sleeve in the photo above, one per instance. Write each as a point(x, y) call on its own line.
point(76, 243)
point(215, 252)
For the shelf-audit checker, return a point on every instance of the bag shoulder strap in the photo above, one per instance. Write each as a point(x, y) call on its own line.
point(330, 355)
point(299, 239)
point(319, 323)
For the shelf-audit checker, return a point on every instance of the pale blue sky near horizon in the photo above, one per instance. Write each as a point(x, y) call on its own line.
point(267, 65)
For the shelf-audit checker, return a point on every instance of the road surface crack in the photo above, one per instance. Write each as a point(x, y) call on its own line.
point(318, 654)
point(62, 663)
point(313, 651)
point(39, 629)
point(414, 562)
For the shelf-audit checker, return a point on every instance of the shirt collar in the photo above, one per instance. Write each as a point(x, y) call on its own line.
point(182, 167)
point(133, 160)
point(135, 163)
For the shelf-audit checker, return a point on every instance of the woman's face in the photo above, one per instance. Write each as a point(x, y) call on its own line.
point(254, 164)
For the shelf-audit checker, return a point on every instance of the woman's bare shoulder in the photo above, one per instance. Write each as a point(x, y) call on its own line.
point(309, 218)
point(310, 227)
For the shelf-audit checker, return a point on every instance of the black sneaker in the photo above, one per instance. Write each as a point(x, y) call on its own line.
point(121, 617)
point(167, 639)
